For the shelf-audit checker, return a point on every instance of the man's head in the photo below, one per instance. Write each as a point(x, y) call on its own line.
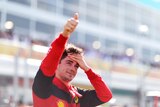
point(67, 68)
point(71, 49)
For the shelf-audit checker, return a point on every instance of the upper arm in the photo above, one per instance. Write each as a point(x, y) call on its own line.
point(50, 62)
point(42, 85)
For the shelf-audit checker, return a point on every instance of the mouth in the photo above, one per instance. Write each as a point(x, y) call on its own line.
point(70, 74)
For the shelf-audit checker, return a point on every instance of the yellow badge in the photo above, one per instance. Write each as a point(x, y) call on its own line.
point(76, 99)
point(60, 103)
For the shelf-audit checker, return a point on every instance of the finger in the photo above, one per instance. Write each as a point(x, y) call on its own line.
point(71, 27)
point(75, 55)
point(76, 16)
point(73, 21)
point(72, 57)
point(75, 58)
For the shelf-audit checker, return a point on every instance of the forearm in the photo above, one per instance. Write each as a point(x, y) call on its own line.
point(50, 62)
point(102, 90)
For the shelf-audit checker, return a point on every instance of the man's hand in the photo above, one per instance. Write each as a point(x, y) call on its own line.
point(79, 58)
point(70, 26)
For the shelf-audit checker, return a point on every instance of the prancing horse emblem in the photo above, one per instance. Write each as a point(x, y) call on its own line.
point(60, 103)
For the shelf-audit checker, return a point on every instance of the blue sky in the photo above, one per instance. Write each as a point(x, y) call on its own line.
point(151, 3)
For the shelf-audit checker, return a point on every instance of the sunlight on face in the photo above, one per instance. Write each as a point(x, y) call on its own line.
point(67, 69)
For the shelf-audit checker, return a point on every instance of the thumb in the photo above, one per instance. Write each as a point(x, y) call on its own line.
point(76, 16)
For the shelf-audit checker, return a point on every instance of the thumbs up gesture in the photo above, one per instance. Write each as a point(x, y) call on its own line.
point(70, 25)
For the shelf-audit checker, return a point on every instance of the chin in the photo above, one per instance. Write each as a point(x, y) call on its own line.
point(70, 79)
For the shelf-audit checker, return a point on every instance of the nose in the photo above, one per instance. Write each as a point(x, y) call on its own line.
point(73, 68)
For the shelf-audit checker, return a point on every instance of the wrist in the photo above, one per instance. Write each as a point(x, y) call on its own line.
point(86, 68)
point(65, 34)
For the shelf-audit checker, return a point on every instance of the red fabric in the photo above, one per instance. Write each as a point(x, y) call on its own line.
point(51, 61)
point(103, 92)
point(71, 89)
point(52, 101)
point(156, 101)
point(49, 66)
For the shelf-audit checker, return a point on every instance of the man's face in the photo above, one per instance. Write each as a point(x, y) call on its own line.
point(67, 69)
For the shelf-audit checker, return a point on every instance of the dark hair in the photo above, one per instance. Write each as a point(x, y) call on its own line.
point(70, 48)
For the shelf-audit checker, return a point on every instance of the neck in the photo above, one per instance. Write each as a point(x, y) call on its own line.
point(63, 81)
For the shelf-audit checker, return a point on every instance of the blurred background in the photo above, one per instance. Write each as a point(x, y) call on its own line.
point(121, 39)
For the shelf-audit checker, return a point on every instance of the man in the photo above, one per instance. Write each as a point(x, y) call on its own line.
point(52, 86)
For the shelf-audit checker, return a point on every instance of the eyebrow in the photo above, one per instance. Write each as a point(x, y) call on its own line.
point(69, 61)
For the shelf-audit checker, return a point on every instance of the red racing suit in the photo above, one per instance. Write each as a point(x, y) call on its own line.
point(49, 91)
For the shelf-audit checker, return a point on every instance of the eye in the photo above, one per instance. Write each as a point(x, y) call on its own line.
point(76, 66)
point(69, 62)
